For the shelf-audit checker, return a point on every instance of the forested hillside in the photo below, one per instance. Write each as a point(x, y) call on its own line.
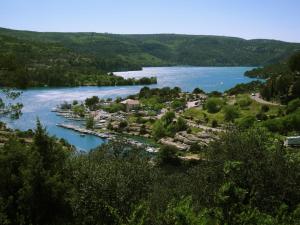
point(29, 63)
point(165, 49)
point(69, 59)
point(283, 79)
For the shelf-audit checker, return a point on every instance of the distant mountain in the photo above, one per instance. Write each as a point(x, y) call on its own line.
point(134, 51)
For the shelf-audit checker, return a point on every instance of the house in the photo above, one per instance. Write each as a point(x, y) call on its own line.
point(131, 104)
point(192, 104)
point(293, 141)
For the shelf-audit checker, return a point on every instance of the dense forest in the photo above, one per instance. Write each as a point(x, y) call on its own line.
point(28, 63)
point(282, 79)
point(43, 181)
point(133, 51)
point(69, 59)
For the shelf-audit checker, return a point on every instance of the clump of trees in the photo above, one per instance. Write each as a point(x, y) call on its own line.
point(213, 104)
point(247, 178)
point(283, 82)
point(168, 126)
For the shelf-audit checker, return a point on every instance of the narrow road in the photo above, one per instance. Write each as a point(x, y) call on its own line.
point(257, 98)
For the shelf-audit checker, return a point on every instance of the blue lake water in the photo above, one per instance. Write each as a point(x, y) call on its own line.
point(38, 102)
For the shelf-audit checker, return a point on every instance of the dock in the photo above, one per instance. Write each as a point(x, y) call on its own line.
point(84, 131)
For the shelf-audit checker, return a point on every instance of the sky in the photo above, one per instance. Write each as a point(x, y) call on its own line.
point(249, 19)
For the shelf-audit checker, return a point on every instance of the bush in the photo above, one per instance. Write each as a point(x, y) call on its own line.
point(247, 122)
point(198, 91)
point(178, 104)
point(195, 147)
point(158, 130)
point(167, 155)
point(90, 122)
point(123, 124)
point(293, 105)
point(180, 124)
point(230, 113)
point(214, 123)
point(213, 105)
point(244, 102)
point(261, 116)
point(265, 108)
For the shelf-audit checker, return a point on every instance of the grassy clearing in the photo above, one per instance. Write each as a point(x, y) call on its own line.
point(245, 106)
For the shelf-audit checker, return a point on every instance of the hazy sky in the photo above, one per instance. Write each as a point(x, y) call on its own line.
point(272, 19)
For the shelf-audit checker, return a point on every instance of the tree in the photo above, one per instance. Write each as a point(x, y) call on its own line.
point(213, 105)
point(230, 113)
point(180, 124)
point(78, 110)
point(90, 122)
point(167, 155)
point(92, 102)
point(13, 110)
point(293, 105)
point(33, 185)
point(168, 117)
point(198, 91)
point(294, 62)
point(158, 130)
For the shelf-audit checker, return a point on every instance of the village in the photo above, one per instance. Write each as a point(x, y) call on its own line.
point(185, 121)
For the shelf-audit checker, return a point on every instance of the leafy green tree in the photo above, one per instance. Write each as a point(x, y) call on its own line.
point(92, 102)
point(33, 182)
point(90, 122)
point(293, 105)
point(167, 155)
point(198, 91)
point(180, 124)
point(168, 117)
point(213, 105)
point(13, 110)
point(78, 110)
point(181, 213)
point(158, 130)
point(230, 113)
point(294, 62)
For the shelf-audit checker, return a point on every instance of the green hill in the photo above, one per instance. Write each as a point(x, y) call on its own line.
point(67, 59)
point(167, 49)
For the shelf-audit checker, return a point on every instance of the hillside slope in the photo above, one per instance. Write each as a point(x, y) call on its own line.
point(166, 49)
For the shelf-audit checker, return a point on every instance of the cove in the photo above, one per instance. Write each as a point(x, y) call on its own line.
point(38, 102)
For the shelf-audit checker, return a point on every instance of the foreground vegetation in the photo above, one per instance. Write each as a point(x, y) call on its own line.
point(246, 178)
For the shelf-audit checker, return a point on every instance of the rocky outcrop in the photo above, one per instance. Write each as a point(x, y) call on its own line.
point(172, 142)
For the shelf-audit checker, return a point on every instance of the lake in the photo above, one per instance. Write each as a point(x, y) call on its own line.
point(38, 102)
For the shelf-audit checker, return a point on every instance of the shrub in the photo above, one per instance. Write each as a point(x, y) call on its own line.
point(230, 113)
point(123, 124)
point(180, 124)
point(90, 122)
point(214, 123)
point(244, 102)
point(265, 108)
point(158, 130)
point(247, 122)
point(167, 155)
point(198, 91)
point(261, 116)
point(195, 147)
point(293, 105)
point(213, 105)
